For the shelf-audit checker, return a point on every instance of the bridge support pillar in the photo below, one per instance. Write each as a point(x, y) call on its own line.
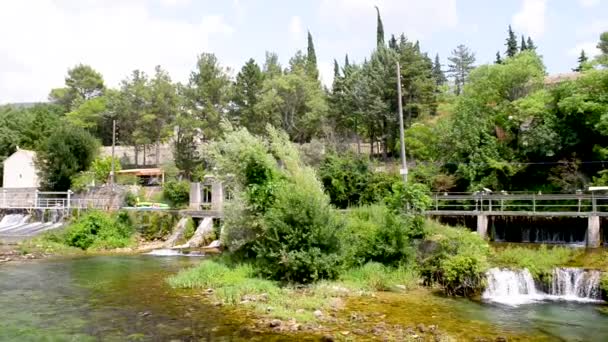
point(593, 232)
point(482, 226)
point(195, 196)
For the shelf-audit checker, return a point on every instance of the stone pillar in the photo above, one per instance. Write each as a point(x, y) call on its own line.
point(482, 226)
point(195, 196)
point(593, 232)
point(217, 195)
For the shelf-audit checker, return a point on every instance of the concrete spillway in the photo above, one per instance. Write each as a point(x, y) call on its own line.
point(15, 227)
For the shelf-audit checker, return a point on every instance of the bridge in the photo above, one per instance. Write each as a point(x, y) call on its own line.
point(484, 205)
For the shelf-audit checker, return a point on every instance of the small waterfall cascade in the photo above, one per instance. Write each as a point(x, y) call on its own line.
point(204, 229)
point(515, 287)
point(178, 233)
point(15, 227)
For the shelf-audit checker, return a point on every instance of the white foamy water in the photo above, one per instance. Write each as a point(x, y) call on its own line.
point(516, 287)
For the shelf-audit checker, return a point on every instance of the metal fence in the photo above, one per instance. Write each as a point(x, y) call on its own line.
point(33, 199)
point(520, 202)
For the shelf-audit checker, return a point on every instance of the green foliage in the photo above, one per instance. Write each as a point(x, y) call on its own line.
point(66, 152)
point(190, 229)
point(154, 225)
point(349, 180)
point(376, 277)
point(410, 198)
point(454, 258)
point(461, 64)
point(540, 262)
point(377, 234)
point(97, 230)
point(177, 193)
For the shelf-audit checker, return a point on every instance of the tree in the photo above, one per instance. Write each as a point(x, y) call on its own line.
point(530, 44)
point(311, 59)
point(247, 91)
point(272, 68)
point(582, 60)
point(67, 151)
point(392, 43)
point(523, 46)
point(461, 64)
point(603, 46)
point(438, 74)
point(82, 83)
point(208, 93)
point(511, 43)
point(498, 58)
point(379, 30)
point(294, 102)
point(156, 124)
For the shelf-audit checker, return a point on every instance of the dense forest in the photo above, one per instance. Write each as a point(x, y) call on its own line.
point(505, 126)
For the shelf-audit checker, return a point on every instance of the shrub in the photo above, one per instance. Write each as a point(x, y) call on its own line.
point(130, 199)
point(375, 233)
point(177, 193)
point(299, 242)
point(154, 225)
point(454, 258)
point(99, 230)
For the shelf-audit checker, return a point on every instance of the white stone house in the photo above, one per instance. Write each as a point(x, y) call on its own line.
point(20, 170)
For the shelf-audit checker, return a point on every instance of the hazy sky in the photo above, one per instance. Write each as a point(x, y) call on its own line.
point(40, 39)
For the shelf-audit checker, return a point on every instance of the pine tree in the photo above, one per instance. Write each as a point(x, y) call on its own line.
point(603, 46)
point(438, 74)
point(311, 59)
point(379, 30)
point(498, 58)
point(530, 45)
point(523, 46)
point(511, 43)
point(346, 62)
point(462, 61)
point(582, 59)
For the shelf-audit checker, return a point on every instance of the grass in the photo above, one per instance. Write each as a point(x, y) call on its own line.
point(238, 286)
point(539, 262)
point(47, 244)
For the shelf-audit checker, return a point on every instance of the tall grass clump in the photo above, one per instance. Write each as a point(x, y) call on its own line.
point(374, 276)
point(539, 261)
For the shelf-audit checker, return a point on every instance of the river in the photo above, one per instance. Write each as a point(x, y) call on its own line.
point(125, 298)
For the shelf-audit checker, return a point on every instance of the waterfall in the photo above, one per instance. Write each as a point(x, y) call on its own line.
point(19, 226)
point(515, 287)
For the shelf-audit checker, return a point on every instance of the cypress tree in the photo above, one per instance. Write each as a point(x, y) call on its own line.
point(498, 58)
point(336, 69)
point(438, 74)
point(582, 59)
point(379, 30)
point(392, 43)
point(511, 43)
point(311, 59)
point(523, 44)
point(346, 62)
point(530, 44)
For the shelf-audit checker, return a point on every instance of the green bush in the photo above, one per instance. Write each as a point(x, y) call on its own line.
point(130, 199)
point(375, 233)
point(300, 241)
point(177, 193)
point(454, 258)
point(99, 230)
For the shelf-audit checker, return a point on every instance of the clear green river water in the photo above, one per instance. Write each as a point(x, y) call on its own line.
point(125, 298)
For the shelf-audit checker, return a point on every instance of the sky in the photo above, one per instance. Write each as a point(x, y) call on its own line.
point(41, 39)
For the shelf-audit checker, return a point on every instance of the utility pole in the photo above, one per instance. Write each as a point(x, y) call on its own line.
point(403, 170)
point(113, 145)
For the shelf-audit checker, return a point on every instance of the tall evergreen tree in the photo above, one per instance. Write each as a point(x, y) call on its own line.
point(392, 43)
point(346, 62)
point(336, 69)
point(379, 30)
point(523, 46)
point(438, 74)
point(582, 59)
point(461, 64)
point(530, 44)
point(498, 58)
point(511, 43)
point(603, 46)
point(247, 89)
point(311, 59)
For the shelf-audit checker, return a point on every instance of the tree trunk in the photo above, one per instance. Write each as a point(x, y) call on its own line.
point(136, 149)
point(158, 152)
point(145, 156)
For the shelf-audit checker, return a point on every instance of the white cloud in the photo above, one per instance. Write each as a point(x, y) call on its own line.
point(589, 3)
point(172, 3)
point(113, 37)
point(531, 18)
point(295, 27)
point(590, 48)
point(415, 18)
point(326, 72)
